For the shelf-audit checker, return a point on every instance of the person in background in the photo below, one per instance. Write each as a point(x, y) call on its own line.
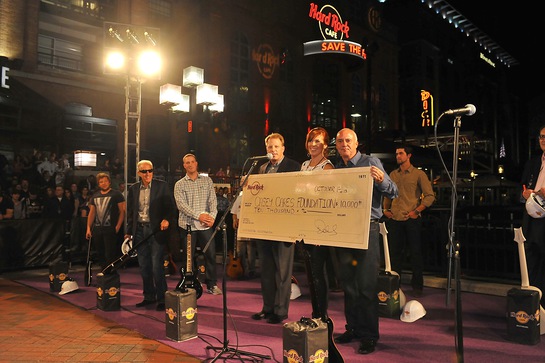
point(359, 268)
point(19, 206)
point(247, 251)
point(58, 205)
point(150, 212)
point(106, 217)
point(6, 207)
point(533, 181)
point(316, 143)
point(404, 222)
point(276, 258)
point(197, 205)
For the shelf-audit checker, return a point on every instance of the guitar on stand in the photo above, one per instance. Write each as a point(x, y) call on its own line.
point(234, 269)
point(334, 354)
point(525, 280)
point(188, 279)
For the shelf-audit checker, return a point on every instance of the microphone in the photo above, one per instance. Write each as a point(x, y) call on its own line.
point(468, 110)
point(263, 157)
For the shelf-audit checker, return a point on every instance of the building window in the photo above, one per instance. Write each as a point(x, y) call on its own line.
point(325, 96)
point(240, 69)
point(59, 53)
point(160, 7)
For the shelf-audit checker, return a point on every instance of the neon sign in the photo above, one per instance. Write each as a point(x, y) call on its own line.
point(427, 108)
point(333, 30)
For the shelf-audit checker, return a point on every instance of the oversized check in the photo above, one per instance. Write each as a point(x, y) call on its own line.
point(325, 207)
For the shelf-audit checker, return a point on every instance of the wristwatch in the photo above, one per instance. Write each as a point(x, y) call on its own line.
point(417, 212)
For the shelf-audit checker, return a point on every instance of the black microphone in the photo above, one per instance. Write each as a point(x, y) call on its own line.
point(468, 110)
point(263, 157)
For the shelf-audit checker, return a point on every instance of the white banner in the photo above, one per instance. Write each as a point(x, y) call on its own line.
point(325, 207)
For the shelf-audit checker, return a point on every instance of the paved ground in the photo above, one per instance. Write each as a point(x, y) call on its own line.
point(38, 327)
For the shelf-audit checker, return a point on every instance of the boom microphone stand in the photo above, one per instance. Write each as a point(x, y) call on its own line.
point(453, 245)
point(225, 347)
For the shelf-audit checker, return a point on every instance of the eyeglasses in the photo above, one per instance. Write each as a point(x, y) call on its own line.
point(542, 137)
point(145, 171)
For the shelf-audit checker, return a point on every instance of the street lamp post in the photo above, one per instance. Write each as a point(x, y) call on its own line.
point(171, 95)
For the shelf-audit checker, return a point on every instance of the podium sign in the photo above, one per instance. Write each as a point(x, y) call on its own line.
point(325, 207)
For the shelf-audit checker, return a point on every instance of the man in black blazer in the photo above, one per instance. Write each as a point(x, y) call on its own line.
point(533, 181)
point(275, 258)
point(151, 209)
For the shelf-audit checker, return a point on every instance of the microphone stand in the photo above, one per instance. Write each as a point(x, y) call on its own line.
point(225, 347)
point(454, 250)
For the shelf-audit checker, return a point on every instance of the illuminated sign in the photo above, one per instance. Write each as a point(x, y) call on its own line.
point(427, 108)
point(334, 46)
point(333, 31)
point(267, 61)
point(4, 77)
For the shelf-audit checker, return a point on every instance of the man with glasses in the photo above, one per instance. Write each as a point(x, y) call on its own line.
point(533, 181)
point(150, 213)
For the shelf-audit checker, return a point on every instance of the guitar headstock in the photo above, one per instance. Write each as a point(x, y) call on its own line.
point(383, 230)
point(519, 236)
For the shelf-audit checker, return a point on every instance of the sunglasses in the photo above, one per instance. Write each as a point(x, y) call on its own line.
point(145, 171)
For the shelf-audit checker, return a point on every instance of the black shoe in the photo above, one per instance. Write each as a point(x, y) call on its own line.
point(345, 337)
point(367, 346)
point(144, 303)
point(160, 307)
point(262, 315)
point(275, 319)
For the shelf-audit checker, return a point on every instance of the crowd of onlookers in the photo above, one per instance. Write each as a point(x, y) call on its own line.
point(44, 185)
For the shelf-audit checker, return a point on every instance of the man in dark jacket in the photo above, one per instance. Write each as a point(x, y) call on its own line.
point(275, 258)
point(533, 181)
point(150, 211)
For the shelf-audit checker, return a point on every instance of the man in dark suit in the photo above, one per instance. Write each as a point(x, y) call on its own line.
point(150, 210)
point(275, 258)
point(533, 182)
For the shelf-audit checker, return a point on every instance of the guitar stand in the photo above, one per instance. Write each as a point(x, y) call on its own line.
point(225, 347)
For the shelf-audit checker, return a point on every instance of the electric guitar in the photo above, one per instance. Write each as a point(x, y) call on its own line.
point(189, 280)
point(234, 269)
point(333, 354)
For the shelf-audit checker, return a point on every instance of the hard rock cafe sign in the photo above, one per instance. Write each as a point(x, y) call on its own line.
point(266, 59)
point(333, 31)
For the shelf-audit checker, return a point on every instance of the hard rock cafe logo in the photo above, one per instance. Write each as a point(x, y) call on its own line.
point(522, 317)
point(293, 356)
point(267, 61)
point(383, 296)
point(255, 188)
point(189, 313)
point(333, 31)
point(330, 22)
point(62, 276)
point(112, 291)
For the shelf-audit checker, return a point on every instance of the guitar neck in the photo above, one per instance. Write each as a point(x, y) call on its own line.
point(188, 249)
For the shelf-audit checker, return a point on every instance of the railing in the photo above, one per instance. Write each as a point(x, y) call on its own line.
point(486, 237)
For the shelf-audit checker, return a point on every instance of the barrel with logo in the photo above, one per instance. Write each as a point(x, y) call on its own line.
point(181, 315)
point(523, 316)
point(108, 292)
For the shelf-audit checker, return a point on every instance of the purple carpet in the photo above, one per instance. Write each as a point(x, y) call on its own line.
point(430, 339)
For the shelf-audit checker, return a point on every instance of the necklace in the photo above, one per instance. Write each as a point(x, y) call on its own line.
point(314, 167)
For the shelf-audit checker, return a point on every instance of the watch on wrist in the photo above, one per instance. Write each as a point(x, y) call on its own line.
point(417, 212)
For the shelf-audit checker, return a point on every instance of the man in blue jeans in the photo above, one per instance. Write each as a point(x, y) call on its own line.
point(150, 213)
